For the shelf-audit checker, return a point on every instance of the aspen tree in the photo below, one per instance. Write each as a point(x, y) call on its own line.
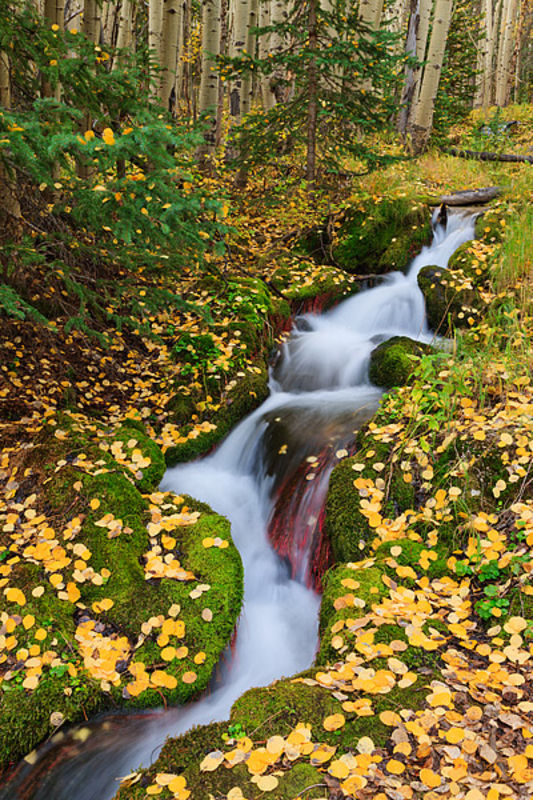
point(505, 51)
point(370, 12)
point(312, 95)
point(409, 87)
point(250, 42)
point(241, 13)
point(9, 204)
point(208, 96)
point(91, 20)
point(73, 14)
point(278, 14)
point(267, 97)
point(422, 119)
point(170, 49)
point(125, 25)
point(155, 33)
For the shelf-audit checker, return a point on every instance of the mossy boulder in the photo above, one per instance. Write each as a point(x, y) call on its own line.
point(246, 393)
point(101, 582)
point(384, 240)
point(451, 301)
point(347, 528)
point(137, 442)
point(393, 361)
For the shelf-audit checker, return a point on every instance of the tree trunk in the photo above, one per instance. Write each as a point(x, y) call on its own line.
point(371, 11)
point(250, 42)
point(10, 216)
point(505, 50)
point(267, 98)
point(422, 33)
point(420, 128)
point(155, 33)
point(409, 86)
point(221, 92)
point(208, 96)
point(170, 51)
point(312, 102)
point(241, 15)
point(91, 20)
point(125, 25)
point(278, 14)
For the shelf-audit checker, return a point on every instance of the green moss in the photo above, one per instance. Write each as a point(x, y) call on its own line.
point(148, 478)
point(385, 239)
point(250, 391)
point(348, 530)
point(135, 600)
point(393, 361)
point(301, 782)
point(446, 304)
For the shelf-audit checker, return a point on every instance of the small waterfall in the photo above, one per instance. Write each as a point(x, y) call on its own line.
point(269, 477)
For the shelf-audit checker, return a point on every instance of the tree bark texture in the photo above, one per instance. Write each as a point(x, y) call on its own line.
point(170, 51)
point(504, 73)
point(208, 96)
point(312, 107)
point(422, 120)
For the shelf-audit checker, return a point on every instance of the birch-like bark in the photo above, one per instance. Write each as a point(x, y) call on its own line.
point(312, 92)
point(249, 47)
point(170, 51)
point(9, 205)
point(208, 96)
point(505, 51)
point(125, 25)
point(91, 20)
point(422, 34)
point(278, 14)
point(221, 90)
point(241, 13)
point(155, 33)
point(267, 98)
point(485, 35)
point(420, 128)
point(371, 12)
point(410, 84)
point(180, 66)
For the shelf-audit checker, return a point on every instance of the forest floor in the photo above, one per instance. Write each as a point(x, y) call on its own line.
point(431, 633)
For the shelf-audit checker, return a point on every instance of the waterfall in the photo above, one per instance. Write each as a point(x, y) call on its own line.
point(282, 453)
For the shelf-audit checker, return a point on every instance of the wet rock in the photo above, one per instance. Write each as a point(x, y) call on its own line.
point(393, 361)
point(451, 301)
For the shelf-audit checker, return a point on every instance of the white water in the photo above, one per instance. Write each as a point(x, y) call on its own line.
point(322, 375)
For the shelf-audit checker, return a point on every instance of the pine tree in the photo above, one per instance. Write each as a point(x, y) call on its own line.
point(333, 77)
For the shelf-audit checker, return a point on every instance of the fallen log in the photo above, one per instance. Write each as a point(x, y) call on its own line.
point(484, 156)
point(470, 197)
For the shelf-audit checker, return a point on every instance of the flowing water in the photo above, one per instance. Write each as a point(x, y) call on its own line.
point(269, 477)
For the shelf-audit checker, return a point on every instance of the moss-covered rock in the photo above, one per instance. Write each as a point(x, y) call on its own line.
point(393, 361)
point(101, 586)
point(136, 442)
point(385, 240)
point(347, 528)
point(450, 300)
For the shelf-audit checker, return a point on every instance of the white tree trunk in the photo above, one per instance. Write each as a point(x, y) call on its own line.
point(241, 15)
point(125, 25)
point(422, 121)
point(505, 51)
point(155, 34)
point(5, 80)
point(91, 20)
point(170, 50)
point(267, 98)
point(370, 12)
point(208, 96)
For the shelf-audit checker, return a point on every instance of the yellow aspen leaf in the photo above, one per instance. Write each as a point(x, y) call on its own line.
point(455, 735)
point(430, 778)
point(95, 503)
point(365, 745)
point(275, 744)
point(168, 653)
point(189, 677)
point(153, 789)
point(390, 718)
point(14, 595)
point(266, 783)
point(334, 722)
point(338, 769)
point(395, 767)
point(28, 621)
point(212, 761)
point(515, 625)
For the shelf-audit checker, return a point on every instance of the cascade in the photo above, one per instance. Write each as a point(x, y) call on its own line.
point(269, 477)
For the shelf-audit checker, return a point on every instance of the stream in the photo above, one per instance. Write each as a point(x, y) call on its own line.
point(270, 478)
